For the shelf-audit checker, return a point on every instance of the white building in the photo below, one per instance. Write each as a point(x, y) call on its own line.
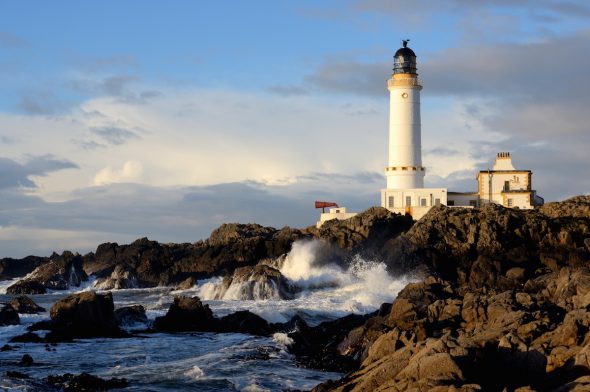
point(405, 192)
point(503, 185)
point(334, 213)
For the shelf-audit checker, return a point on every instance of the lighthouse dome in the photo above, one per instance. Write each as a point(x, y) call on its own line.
point(404, 60)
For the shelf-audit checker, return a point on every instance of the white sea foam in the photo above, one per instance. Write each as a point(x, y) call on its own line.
point(282, 339)
point(328, 290)
point(194, 372)
point(301, 267)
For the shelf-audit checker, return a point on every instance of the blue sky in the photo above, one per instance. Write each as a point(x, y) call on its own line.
point(122, 119)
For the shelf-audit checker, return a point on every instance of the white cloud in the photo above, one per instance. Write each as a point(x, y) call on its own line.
point(131, 171)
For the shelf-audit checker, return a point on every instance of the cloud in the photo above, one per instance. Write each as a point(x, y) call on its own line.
point(124, 212)
point(114, 135)
point(10, 40)
point(39, 103)
point(131, 171)
point(18, 175)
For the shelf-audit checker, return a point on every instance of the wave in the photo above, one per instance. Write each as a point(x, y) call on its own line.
point(324, 288)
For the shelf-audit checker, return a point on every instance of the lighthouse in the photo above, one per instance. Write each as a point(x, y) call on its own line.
point(405, 168)
point(405, 192)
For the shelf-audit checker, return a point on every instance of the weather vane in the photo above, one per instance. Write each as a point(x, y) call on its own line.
point(405, 42)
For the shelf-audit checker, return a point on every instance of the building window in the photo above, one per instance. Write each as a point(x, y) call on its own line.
point(390, 202)
point(510, 203)
point(408, 201)
point(436, 202)
point(423, 202)
point(506, 185)
point(473, 203)
point(451, 202)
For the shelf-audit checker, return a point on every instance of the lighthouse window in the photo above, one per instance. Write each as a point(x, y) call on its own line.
point(390, 202)
point(408, 201)
point(510, 203)
point(423, 202)
point(436, 202)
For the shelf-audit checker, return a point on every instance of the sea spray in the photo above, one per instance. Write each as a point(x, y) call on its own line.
point(302, 267)
point(327, 290)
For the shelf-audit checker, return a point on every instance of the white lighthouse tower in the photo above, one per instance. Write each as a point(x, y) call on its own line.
point(405, 192)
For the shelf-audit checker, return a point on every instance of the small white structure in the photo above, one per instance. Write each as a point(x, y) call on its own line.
point(405, 192)
point(334, 213)
point(503, 185)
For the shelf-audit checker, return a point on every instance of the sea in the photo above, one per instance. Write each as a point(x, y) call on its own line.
point(208, 361)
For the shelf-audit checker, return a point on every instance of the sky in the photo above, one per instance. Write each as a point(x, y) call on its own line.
point(127, 119)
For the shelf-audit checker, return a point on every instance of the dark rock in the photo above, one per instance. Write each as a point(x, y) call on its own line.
point(84, 315)
point(26, 360)
point(259, 282)
point(122, 277)
point(129, 315)
point(8, 315)
point(187, 314)
point(29, 337)
point(186, 284)
point(26, 287)
point(17, 375)
point(15, 268)
point(24, 305)
point(317, 347)
point(60, 273)
point(6, 347)
point(244, 322)
point(85, 382)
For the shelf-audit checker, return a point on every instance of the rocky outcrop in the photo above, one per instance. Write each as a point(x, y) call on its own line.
point(186, 314)
point(130, 315)
point(60, 273)
point(254, 283)
point(367, 232)
point(24, 305)
point(84, 382)
point(491, 246)
point(8, 315)
point(122, 277)
point(508, 308)
point(15, 268)
point(244, 321)
point(80, 316)
point(146, 263)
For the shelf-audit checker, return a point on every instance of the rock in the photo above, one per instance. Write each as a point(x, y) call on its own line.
point(244, 321)
point(186, 314)
point(84, 315)
point(60, 273)
point(26, 360)
point(122, 277)
point(15, 268)
point(260, 282)
point(129, 315)
point(8, 316)
point(26, 287)
point(29, 337)
point(186, 284)
point(368, 229)
point(6, 347)
point(24, 305)
point(576, 207)
point(84, 382)
point(17, 375)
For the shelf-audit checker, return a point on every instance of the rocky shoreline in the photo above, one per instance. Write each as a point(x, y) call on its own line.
point(502, 301)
